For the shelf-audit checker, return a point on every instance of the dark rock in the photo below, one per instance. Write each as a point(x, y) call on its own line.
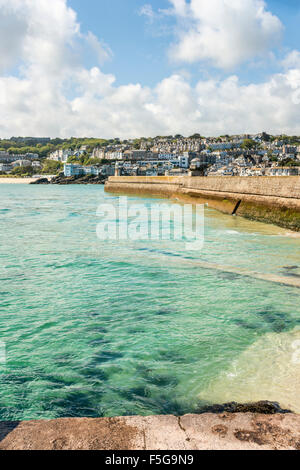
point(41, 181)
point(89, 179)
point(261, 407)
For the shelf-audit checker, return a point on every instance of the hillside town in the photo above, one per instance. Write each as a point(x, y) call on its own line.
point(238, 155)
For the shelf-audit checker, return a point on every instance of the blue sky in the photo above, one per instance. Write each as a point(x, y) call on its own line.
point(117, 68)
point(140, 49)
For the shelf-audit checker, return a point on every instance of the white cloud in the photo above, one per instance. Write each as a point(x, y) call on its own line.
point(223, 32)
point(56, 95)
point(12, 30)
point(180, 7)
point(292, 60)
point(101, 49)
point(147, 10)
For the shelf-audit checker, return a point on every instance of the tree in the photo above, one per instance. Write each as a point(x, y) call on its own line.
point(27, 170)
point(51, 167)
point(290, 162)
point(266, 137)
point(248, 144)
point(195, 136)
point(74, 159)
point(92, 161)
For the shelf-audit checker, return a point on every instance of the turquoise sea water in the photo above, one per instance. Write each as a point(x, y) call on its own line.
point(96, 328)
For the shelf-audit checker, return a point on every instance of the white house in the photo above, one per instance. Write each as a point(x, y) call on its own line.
point(61, 155)
point(284, 171)
point(21, 163)
point(71, 169)
point(5, 167)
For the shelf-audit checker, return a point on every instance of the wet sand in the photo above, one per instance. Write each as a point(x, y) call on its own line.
point(270, 368)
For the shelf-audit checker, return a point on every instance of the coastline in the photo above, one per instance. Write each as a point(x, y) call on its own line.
point(64, 181)
point(17, 180)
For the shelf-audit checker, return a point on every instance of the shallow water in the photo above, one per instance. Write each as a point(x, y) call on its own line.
point(97, 328)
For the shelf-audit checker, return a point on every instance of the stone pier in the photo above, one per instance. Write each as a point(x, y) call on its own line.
point(225, 431)
point(267, 199)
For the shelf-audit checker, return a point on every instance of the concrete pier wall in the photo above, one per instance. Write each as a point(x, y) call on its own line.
point(267, 199)
point(225, 431)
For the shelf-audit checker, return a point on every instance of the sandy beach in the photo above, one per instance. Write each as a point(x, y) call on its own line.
point(17, 180)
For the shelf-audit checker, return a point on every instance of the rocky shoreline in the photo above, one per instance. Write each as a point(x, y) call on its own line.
point(261, 407)
point(63, 180)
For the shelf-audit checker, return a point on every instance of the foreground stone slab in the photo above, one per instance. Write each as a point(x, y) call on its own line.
point(225, 431)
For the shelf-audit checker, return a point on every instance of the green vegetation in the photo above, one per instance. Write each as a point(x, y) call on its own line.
point(42, 151)
point(86, 160)
point(23, 171)
point(19, 146)
point(90, 144)
point(293, 140)
point(196, 136)
point(51, 167)
point(249, 144)
point(290, 162)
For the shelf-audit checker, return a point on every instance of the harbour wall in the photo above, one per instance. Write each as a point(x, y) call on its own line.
point(273, 200)
point(225, 431)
